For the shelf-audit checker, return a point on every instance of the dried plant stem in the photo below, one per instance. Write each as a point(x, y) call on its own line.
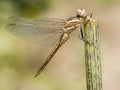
point(92, 56)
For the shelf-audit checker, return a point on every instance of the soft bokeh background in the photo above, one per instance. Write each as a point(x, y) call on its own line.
point(19, 59)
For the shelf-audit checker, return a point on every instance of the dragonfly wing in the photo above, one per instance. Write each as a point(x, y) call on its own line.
point(44, 31)
point(46, 39)
point(50, 39)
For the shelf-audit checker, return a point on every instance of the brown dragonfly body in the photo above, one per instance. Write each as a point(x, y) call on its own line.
point(58, 27)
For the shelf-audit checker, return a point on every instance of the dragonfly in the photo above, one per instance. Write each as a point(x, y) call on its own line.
point(48, 31)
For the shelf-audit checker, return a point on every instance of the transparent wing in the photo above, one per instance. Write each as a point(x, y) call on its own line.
point(44, 31)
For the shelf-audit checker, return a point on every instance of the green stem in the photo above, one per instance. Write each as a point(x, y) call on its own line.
point(92, 56)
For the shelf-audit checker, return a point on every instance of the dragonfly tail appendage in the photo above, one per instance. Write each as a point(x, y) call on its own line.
point(40, 69)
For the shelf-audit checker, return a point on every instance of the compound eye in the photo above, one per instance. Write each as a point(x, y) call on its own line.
point(78, 16)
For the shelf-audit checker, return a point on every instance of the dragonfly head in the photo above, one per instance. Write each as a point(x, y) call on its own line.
point(81, 13)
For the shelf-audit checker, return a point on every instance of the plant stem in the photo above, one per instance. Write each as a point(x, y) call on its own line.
point(92, 56)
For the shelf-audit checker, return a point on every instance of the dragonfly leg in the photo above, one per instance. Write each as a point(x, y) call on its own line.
point(81, 35)
point(89, 17)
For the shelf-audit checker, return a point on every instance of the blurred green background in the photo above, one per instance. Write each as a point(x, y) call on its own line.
point(19, 59)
